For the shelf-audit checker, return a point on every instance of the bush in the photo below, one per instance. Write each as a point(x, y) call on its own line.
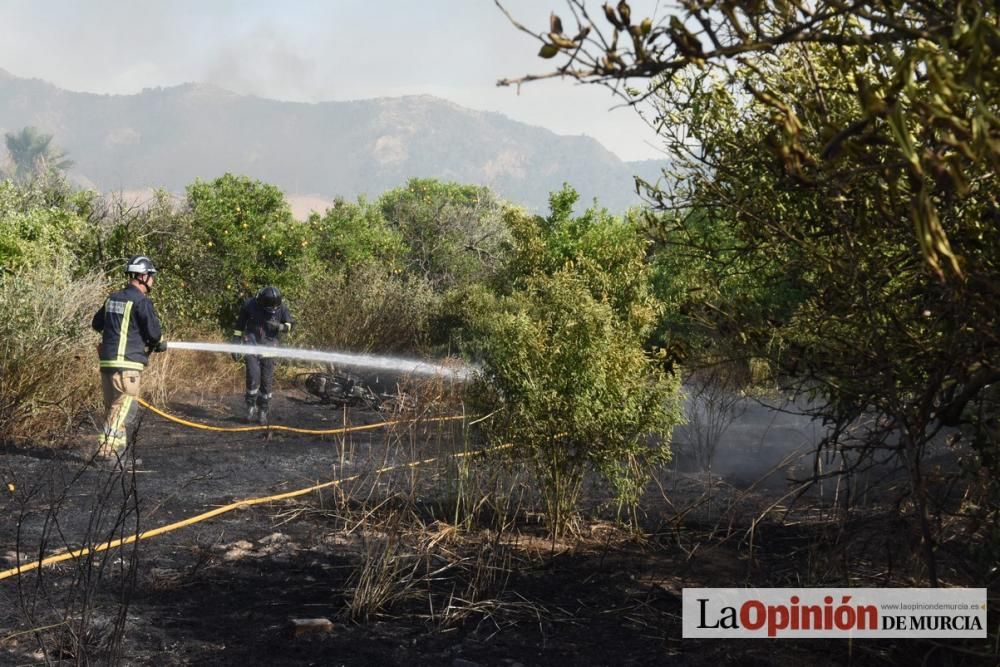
point(48, 368)
point(348, 236)
point(454, 234)
point(368, 309)
point(39, 226)
point(574, 392)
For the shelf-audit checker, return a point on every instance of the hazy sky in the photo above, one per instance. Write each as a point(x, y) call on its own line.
point(312, 50)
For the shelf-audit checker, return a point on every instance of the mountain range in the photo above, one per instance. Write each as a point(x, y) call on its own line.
point(168, 137)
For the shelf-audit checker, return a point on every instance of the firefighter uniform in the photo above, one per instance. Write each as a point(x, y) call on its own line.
point(128, 326)
point(261, 320)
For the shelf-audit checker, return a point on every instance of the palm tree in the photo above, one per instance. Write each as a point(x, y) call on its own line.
point(33, 153)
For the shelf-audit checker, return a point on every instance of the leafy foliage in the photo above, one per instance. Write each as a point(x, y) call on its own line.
point(33, 154)
point(349, 237)
point(869, 324)
point(608, 253)
point(925, 77)
point(563, 359)
point(575, 391)
point(454, 234)
point(39, 228)
point(242, 237)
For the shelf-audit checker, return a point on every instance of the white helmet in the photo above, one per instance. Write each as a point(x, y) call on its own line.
point(140, 265)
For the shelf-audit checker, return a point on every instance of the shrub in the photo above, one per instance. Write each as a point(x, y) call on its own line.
point(367, 309)
point(48, 370)
point(454, 234)
point(39, 226)
point(606, 252)
point(348, 236)
point(574, 392)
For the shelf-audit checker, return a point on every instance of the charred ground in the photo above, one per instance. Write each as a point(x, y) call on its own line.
point(413, 566)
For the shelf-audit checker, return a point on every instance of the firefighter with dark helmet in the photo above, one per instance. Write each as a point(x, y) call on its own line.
point(130, 331)
point(262, 320)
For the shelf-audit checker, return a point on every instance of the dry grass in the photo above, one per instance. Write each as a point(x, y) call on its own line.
point(48, 368)
point(388, 574)
point(197, 376)
point(413, 559)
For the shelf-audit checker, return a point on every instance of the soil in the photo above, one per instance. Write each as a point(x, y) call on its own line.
point(227, 590)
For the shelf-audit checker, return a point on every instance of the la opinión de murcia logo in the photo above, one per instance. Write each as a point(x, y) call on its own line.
point(863, 612)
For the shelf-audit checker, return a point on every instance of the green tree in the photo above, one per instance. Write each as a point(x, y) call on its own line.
point(350, 236)
point(574, 391)
point(561, 341)
point(39, 228)
point(872, 328)
point(608, 252)
point(835, 169)
point(925, 77)
point(241, 237)
point(454, 234)
point(33, 153)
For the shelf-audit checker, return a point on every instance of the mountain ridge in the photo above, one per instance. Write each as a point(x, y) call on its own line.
point(169, 136)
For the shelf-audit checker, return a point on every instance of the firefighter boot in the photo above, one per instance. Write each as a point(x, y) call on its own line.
point(251, 409)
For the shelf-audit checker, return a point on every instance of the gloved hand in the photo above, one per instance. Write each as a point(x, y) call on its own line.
point(158, 346)
point(285, 327)
point(272, 327)
point(236, 340)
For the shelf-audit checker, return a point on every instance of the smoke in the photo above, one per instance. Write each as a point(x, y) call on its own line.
point(757, 438)
point(312, 52)
point(265, 62)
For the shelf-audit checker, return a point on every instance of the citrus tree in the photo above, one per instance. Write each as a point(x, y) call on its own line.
point(241, 237)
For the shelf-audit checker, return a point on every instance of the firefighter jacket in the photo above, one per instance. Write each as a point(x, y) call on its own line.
point(261, 326)
point(128, 325)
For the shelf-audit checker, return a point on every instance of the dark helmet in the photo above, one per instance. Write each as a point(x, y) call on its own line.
point(269, 297)
point(140, 265)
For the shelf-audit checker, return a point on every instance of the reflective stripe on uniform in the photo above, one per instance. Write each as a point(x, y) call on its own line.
point(115, 440)
point(124, 409)
point(130, 365)
point(114, 435)
point(123, 333)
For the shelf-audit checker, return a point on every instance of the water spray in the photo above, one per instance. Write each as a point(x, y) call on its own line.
point(411, 366)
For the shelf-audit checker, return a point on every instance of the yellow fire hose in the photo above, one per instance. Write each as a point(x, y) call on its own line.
point(111, 544)
point(278, 427)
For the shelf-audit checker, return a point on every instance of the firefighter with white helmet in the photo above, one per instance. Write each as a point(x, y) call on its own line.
point(130, 331)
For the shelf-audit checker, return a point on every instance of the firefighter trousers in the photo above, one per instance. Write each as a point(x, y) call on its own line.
point(260, 377)
point(120, 388)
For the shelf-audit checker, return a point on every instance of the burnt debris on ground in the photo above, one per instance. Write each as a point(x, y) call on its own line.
point(445, 563)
